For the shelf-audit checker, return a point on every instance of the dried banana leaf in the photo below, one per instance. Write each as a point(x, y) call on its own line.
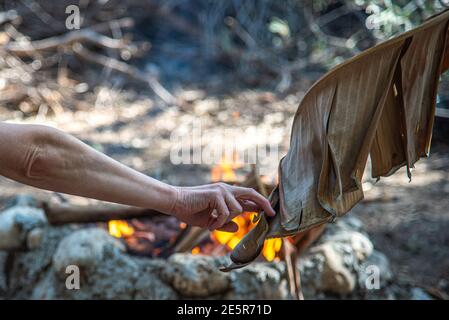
point(381, 104)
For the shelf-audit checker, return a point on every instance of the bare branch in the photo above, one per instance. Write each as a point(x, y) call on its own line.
point(124, 68)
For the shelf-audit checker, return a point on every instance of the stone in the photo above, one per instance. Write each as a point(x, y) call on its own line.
point(45, 289)
point(336, 277)
point(84, 248)
point(3, 280)
point(195, 275)
point(149, 284)
point(22, 200)
point(381, 264)
point(259, 281)
point(120, 278)
point(360, 244)
point(34, 238)
point(27, 268)
point(15, 224)
point(106, 271)
point(335, 264)
point(419, 294)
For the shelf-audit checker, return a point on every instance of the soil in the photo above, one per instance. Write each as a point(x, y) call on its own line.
point(408, 221)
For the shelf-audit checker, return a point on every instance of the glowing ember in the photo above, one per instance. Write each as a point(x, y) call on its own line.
point(196, 250)
point(245, 223)
point(120, 229)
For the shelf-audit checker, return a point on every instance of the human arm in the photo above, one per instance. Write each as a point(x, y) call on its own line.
point(50, 159)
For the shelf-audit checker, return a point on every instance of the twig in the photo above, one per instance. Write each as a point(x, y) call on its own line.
point(65, 214)
point(86, 35)
point(8, 16)
point(130, 71)
point(191, 239)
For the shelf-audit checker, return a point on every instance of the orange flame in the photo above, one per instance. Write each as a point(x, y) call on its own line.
point(245, 222)
point(225, 170)
point(120, 229)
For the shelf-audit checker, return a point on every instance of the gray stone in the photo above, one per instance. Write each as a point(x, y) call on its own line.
point(149, 285)
point(15, 224)
point(259, 281)
point(358, 242)
point(84, 248)
point(336, 276)
point(376, 262)
point(333, 266)
point(34, 238)
point(196, 276)
point(3, 281)
point(106, 272)
point(419, 294)
point(28, 267)
point(22, 200)
point(336, 263)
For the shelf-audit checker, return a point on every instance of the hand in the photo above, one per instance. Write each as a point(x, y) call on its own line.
point(213, 206)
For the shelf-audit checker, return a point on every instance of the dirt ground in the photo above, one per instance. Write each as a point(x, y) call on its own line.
point(408, 221)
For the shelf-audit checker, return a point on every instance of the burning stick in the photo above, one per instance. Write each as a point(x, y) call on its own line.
point(64, 214)
point(190, 239)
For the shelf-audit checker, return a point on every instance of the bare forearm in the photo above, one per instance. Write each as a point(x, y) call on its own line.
point(50, 159)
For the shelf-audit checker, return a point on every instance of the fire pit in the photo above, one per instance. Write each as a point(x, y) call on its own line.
point(161, 236)
point(145, 259)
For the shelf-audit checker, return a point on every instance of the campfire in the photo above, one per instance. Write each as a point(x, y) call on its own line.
point(163, 236)
point(120, 228)
point(245, 222)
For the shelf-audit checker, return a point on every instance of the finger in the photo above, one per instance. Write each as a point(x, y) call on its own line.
point(212, 218)
point(231, 226)
point(249, 206)
point(253, 195)
point(223, 213)
point(234, 206)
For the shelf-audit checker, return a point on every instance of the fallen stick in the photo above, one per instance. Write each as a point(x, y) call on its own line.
point(91, 35)
point(64, 214)
point(191, 239)
point(87, 35)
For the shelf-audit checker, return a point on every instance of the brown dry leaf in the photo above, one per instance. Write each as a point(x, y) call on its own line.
point(380, 103)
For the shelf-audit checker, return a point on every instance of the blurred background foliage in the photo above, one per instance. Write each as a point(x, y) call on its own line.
point(262, 44)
